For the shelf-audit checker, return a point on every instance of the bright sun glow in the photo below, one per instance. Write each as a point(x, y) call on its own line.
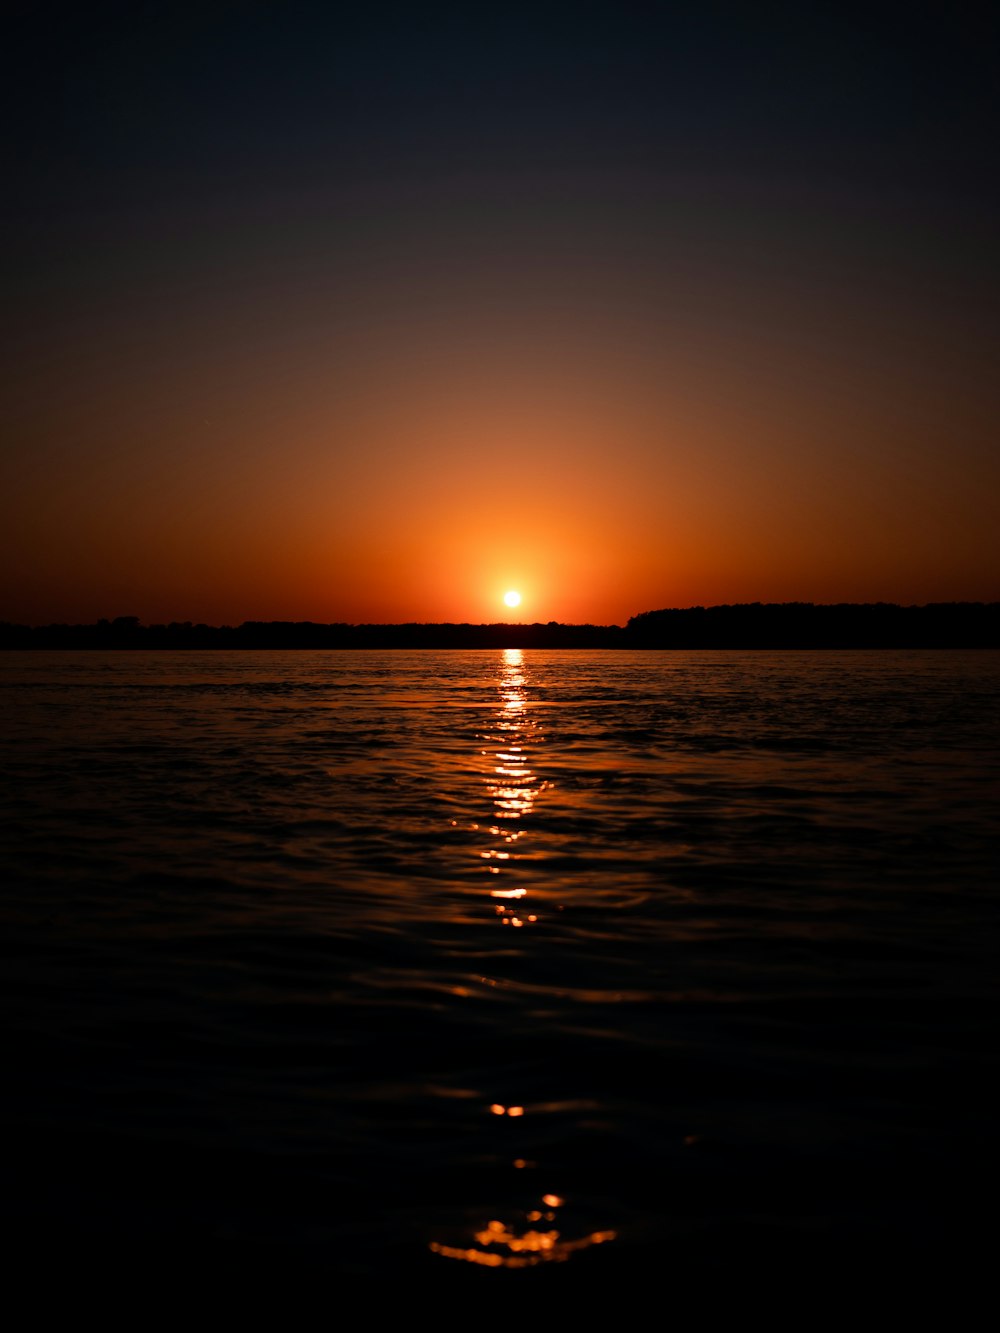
point(512, 598)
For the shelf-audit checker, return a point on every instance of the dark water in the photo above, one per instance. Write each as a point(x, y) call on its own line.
point(484, 971)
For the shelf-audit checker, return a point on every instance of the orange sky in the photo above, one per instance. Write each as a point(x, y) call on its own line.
point(393, 391)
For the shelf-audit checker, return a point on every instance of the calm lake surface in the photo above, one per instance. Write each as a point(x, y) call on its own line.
point(491, 970)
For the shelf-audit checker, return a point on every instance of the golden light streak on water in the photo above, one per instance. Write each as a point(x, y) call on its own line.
point(501, 1246)
point(513, 787)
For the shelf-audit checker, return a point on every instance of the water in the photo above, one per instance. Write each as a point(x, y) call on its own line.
point(487, 971)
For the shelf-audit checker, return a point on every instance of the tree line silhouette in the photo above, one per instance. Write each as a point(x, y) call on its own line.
point(744, 625)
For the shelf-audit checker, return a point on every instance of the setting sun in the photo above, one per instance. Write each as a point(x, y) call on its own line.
point(512, 598)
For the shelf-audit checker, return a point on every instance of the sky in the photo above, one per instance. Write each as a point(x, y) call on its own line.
point(375, 313)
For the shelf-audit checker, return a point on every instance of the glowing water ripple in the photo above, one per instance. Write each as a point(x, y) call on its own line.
point(514, 787)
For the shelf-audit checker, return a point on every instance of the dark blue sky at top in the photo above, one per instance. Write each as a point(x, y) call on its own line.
point(290, 144)
point(155, 140)
point(166, 105)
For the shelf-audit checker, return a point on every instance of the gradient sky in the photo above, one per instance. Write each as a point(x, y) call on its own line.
point(334, 315)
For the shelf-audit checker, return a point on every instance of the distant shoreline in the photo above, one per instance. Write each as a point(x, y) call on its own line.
point(775, 626)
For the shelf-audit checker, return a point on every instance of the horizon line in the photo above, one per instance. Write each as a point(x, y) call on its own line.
point(125, 622)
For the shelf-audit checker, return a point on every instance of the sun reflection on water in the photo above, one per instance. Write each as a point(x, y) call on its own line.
point(525, 1243)
point(511, 783)
point(538, 1234)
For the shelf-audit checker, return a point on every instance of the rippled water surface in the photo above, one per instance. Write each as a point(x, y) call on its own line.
point(484, 968)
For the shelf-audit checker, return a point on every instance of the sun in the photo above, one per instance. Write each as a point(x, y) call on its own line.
point(512, 598)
